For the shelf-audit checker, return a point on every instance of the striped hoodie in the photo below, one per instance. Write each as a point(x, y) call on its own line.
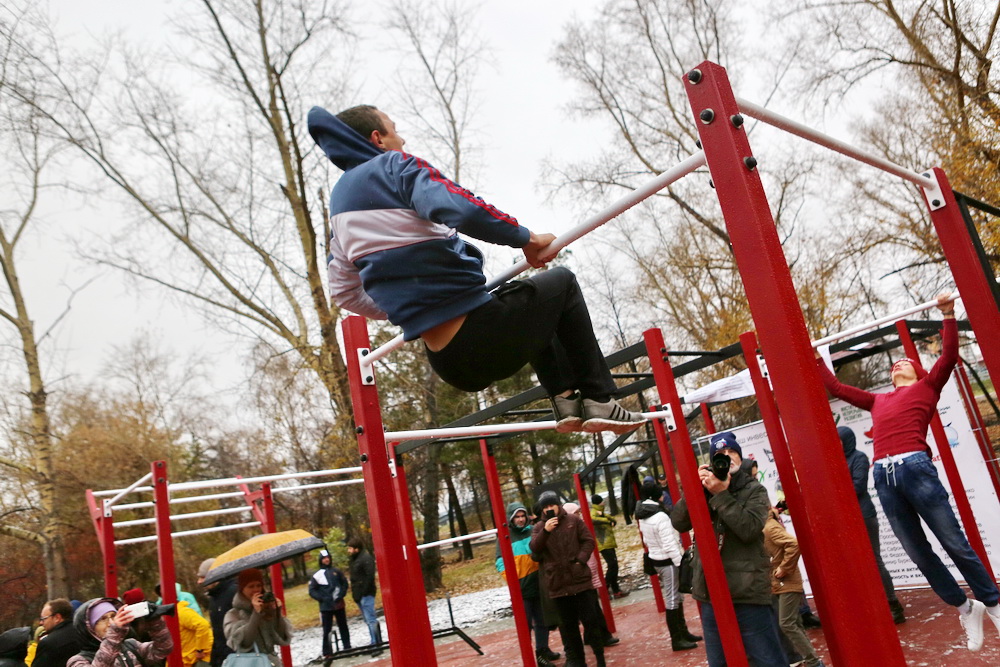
point(527, 567)
point(395, 252)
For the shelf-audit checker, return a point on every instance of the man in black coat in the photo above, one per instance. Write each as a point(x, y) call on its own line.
point(220, 601)
point(60, 641)
point(362, 572)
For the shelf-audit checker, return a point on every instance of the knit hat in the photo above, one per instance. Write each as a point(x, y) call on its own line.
point(571, 508)
point(132, 596)
point(548, 498)
point(205, 566)
point(96, 611)
point(596, 500)
point(247, 577)
point(725, 440)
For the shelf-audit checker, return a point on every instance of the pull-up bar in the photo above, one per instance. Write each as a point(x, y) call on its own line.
point(460, 538)
point(195, 531)
point(651, 187)
point(490, 429)
point(123, 492)
point(804, 131)
point(882, 320)
point(180, 517)
point(233, 481)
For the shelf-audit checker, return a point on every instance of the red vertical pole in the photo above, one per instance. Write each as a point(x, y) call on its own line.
point(406, 618)
point(602, 591)
point(269, 525)
point(697, 505)
point(856, 606)
point(979, 428)
point(706, 414)
point(972, 282)
point(654, 579)
point(165, 554)
point(786, 470)
point(663, 444)
point(500, 519)
point(415, 575)
point(103, 520)
point(948, 460)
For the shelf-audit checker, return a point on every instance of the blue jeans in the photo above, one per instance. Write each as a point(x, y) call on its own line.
point(536, 621)
point(910, 491)
point(367, 605)
point(759, 629)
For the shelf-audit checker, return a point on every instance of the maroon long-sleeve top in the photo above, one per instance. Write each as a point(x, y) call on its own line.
point(900, 417)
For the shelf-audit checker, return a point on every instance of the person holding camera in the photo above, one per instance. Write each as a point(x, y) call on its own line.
point(256, 618)
point(738, 505)
point(102, 626)
point(562, 544)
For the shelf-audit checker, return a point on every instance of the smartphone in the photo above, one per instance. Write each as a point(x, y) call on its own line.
point(139, 609)
point(550, 514)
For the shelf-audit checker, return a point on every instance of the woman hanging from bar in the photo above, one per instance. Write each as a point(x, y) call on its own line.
point(907, 482)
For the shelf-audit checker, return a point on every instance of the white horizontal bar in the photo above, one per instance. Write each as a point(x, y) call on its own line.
point(186, 499)
point(488, 429)
point(879, 322)
point(189, 515)
point(320, 485)
point(817, 137)
point(236, 481)
point(196, 531)
point(145, 478)
point(651, 187)
point(460, 538)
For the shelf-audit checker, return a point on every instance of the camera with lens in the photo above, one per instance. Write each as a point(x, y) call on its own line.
point(146, 608)
point(720, 466)
point(267, 597)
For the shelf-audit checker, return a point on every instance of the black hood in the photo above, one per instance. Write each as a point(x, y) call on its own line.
point(14, 643)
point(89, 643)
point(847, 439)
point(646, 509)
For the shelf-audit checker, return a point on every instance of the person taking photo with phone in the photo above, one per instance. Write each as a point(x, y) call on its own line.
point(102, 626)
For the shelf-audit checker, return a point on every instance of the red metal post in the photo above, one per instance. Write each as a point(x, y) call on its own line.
point(856, 606)
point(654, 579)
point(165, 554)
point(101, 515)
point(706, 414)
point(269, 525)
point(507, 553)
point(602, 591)
point(415, 576)
point(948, 461)
point(972, 282)
point(979, 427)
point(406, 618)
point(663, 444)
point(252, 498)
point(786, 469)
point(697, 505)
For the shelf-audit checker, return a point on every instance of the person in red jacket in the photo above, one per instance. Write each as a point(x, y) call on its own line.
point(907, 482)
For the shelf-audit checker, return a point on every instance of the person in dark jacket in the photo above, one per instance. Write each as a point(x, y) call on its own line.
point(738, 505)
point(362, 572)
point(858, 465)
point(328, 586)
point(562, 544)
point(103, 624)
point(220, 601)
point(14, 646)
point(60, 642)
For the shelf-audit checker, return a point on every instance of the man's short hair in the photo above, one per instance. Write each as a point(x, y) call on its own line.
point(62, 607)
point(356, 543)
point(363, 119)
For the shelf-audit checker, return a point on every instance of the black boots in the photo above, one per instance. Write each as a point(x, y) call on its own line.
point(898, 615)
point(678, 630)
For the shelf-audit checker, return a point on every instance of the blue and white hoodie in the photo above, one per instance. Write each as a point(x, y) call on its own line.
point(395, 251)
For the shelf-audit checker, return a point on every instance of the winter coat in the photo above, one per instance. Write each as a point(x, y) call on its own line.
point(115, 650)
point(520, 539)
point(362, 571)
point(196, 633)
point(604, 529)
point(658, 533)
point(14, 646)
point(57, 646)
point(858, 465)
point(245, 627)
point(328, 586)
point(563, 554)
point(783, 549)
point(738, 516)
point(220, 601)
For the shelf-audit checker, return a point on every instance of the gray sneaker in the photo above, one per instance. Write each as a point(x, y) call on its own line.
point(609, 416)
point(972, 623)
point(568, 412)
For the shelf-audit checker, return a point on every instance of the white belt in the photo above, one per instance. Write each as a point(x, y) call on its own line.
point(896, 458)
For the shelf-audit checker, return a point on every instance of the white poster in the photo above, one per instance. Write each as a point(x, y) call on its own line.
point(968, 458)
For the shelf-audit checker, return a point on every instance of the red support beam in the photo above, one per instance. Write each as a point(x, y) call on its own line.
point(663, 444)
point(963, 260)
point(415, 575)
point(406, 618)
point(102, 517)
point(948, 461)
point(856, 606)
point(706, 415)
point(602, 592)
point(507, 553)
point(269, 525)
point(979, 427)
point(697, 505)
point(165, 554)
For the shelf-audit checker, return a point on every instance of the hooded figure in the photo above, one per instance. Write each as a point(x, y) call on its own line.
point(328, 586)
point(104, 644)
point(14, 646)
point(857, 463)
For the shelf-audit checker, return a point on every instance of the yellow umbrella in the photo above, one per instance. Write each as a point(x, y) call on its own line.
point(261, 551)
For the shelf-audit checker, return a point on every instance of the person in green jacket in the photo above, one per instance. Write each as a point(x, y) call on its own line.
point(604, 528)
